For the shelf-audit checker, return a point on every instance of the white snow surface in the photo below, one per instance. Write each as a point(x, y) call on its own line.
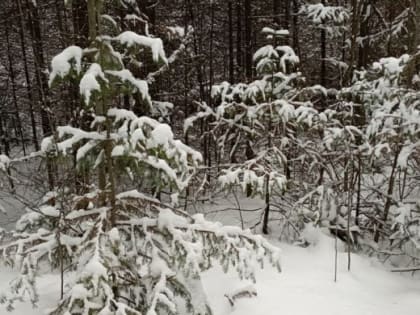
point(305, 286)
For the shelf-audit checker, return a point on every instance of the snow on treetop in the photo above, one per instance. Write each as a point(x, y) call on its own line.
point(320, 13)
point(89, 83)
point(62, 63)
point(161, 135)
point(130, 39)
point(288, 56)
point(266, 52)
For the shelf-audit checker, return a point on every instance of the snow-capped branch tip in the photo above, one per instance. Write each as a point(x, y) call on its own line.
point(62, 64)
point(4, 162)
point(131, 39)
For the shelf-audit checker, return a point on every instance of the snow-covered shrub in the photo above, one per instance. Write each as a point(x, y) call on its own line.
point(390, 147)
point(269, 127)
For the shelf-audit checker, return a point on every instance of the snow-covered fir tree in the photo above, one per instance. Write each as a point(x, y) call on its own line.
point(121, 252)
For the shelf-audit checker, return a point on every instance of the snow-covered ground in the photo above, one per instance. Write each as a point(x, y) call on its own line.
point(305, 287)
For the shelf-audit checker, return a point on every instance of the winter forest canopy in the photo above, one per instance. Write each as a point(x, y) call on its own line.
point(129, 128)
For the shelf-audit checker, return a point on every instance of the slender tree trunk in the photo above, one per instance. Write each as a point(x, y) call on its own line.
point(92, 19)
point(59, 9)
point(355, 25)
point(389, 193)
point(295, 43)
point(286, 20)
point(80, 36)
point(230, 35)
point(323, 61)
point(19, 131)
point(414, 63)
point(211, 55)
point(80, 27)
point(197, 52)
point(277, 13)
point(415, 27)
point(40, 66)
point(248, 67)
point(186, 68)
point(417, 21)
point(364, 32)
point(42, 80)
point(349, 209)
point(99, 107)
point(359, 189)
point(248, 39)
point(239, 55)
point(267, 205)
point(27, 76)
point(197, 46)
point(211, 81)
point(4, 138)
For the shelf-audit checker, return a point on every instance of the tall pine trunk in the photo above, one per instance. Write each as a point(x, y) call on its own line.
point(27, 75)
point(12, 76)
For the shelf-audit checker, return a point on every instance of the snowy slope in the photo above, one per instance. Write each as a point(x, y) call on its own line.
point(304, 287)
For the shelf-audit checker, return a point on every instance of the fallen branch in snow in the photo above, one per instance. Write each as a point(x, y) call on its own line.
point(248, 292)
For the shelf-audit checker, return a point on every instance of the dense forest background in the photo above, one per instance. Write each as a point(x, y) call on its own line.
point(214, 41)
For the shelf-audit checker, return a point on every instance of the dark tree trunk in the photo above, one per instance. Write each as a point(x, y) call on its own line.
point(12, 75)
point(27, 76)
point(40, 65)
point(267, 206)
point(79, 13)
point(248, 39)
point(239, 56)
point(364, 32)
point(295, 43)
point(230, 35)
point(323, 61)
point(277, 13)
